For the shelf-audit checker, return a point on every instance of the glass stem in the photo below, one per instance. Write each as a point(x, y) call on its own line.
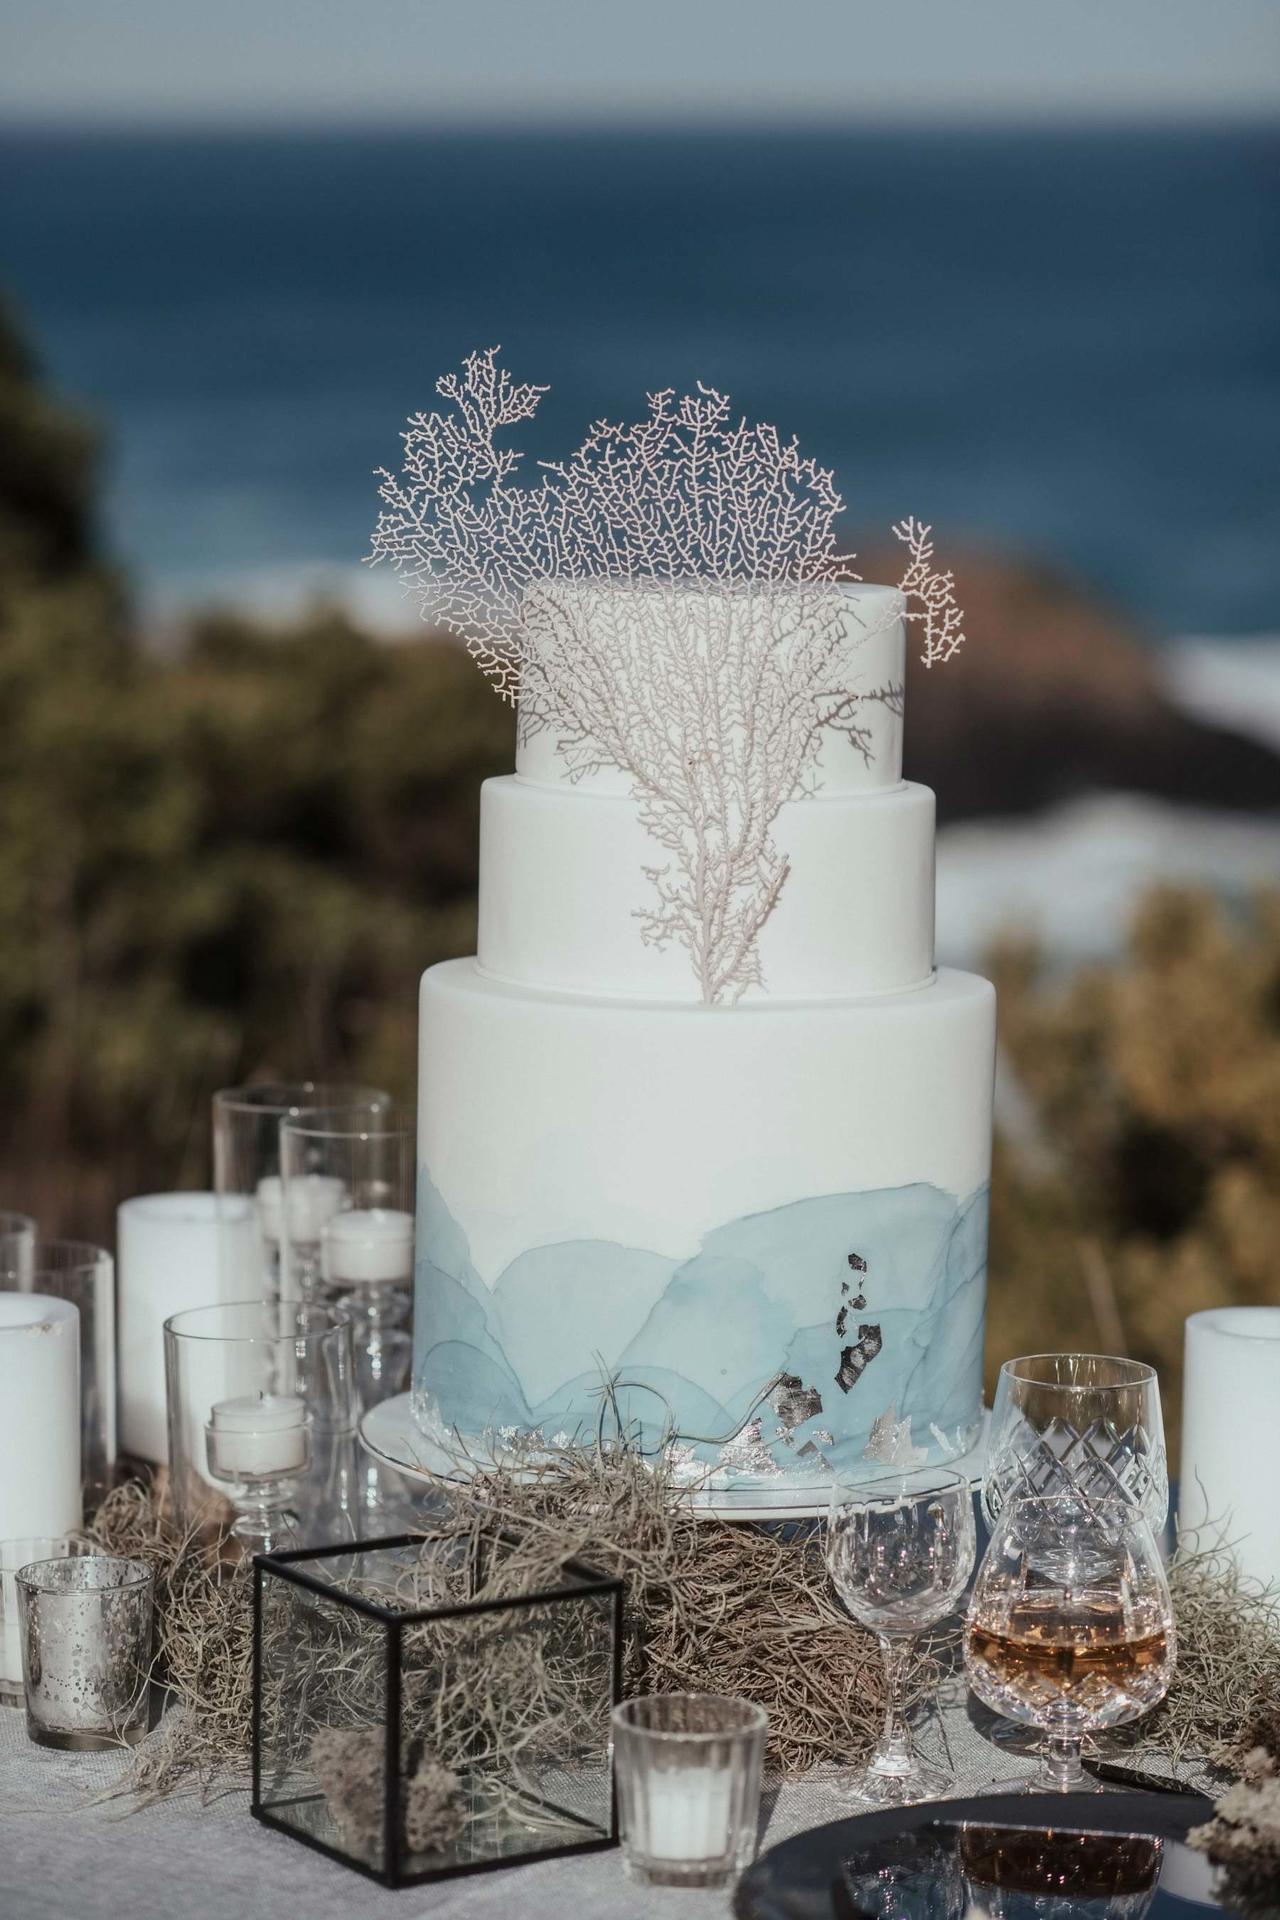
point(1063, 1772)
point(893, 1754)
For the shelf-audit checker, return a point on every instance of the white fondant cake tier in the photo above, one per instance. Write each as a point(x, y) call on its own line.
point(561, 875)
point(873, 645)
point(764, 1225)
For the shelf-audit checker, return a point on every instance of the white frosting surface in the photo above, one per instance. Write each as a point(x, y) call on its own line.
point(549, 1117)
point(562, 878)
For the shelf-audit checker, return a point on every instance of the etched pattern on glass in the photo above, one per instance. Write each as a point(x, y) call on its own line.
point(1088, 1424)
point(1099, 1463)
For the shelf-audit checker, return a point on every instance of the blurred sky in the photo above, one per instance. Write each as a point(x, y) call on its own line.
point(537, 60)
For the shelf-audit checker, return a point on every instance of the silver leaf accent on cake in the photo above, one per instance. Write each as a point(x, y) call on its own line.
point(747, 1453)
point(890, 1442)
point(794, 1403)
point(855, 1359)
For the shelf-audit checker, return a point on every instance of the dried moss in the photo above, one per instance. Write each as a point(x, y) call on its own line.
point(1228, 1665)
point(711, 1607)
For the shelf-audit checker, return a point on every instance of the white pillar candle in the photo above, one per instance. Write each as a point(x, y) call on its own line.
point(258, 1434)
point(689, 1812)
point(1229, 1489)
point(311, 1199)
point(368, 1245)
point(39, 1415)
point(176, 1250)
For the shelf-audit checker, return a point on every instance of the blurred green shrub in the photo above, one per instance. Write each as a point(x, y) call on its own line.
point(1147, 1185)
point(230, 862)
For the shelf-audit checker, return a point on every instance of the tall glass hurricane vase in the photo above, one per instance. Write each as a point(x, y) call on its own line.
point(900, 1550)
point(246, 1158)
point(1084, 1421)
point(347, 1183)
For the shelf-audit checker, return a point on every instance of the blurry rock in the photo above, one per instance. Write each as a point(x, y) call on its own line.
point(1053, 695)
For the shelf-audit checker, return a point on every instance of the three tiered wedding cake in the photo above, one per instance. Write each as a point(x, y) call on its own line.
point(704, 1137)
point(755, 1231)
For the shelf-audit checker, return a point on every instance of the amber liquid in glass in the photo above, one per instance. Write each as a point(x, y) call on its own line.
point(1090, 1658)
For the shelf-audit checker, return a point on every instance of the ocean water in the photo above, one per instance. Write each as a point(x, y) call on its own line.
point(1066, 345)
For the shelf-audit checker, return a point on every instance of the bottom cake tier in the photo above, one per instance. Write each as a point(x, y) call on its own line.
point(754, 1235)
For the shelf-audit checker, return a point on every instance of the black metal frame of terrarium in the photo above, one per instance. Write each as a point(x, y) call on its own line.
point(537, 1824)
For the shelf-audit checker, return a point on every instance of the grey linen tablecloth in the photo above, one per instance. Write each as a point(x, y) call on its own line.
point(65, 1854)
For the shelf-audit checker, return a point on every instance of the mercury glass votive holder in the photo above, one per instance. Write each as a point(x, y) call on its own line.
point(688, 1768)
point(85, 1626)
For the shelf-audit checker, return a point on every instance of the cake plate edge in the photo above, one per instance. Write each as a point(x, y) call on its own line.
point(390, 1433)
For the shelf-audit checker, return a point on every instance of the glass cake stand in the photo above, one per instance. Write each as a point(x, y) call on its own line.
point(392, 1436)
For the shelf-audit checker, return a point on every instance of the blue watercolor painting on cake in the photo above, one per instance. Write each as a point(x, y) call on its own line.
point(788, 1333)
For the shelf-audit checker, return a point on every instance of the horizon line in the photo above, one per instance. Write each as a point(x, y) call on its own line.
point(1136, 117)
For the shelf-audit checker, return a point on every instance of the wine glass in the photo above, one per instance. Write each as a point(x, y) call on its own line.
point(1070, 1626)
point(900, 1550)
point(1082, 1420)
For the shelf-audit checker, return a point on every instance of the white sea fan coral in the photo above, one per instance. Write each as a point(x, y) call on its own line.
point(667, 600)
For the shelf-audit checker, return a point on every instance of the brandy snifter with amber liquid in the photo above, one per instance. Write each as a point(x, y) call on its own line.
point(1070, 1628)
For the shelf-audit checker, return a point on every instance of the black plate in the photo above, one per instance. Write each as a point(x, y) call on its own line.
point(803, 1878)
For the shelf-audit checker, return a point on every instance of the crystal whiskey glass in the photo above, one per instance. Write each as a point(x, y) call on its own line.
point(1070, 1627)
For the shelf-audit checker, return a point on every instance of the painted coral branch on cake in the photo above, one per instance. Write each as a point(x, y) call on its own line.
point(668, 601)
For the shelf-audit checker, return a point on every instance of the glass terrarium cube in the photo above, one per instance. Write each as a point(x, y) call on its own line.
point(416, 1715)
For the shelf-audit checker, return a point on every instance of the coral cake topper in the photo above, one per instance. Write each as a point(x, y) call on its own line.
point(668, 601)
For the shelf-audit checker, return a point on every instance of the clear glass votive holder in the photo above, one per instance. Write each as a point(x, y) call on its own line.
point(688, 1768)
point(261, 1424)
point(14, 1555)
point(85, 1625)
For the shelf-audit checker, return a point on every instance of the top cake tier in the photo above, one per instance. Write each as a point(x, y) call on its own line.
point(864, 621)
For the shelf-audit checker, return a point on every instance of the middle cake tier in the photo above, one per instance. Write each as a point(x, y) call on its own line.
point(562, 885)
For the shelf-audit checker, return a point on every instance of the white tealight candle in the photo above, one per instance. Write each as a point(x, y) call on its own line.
point(311, 1199)
point(689, 1810)
point(258, 1434)
point(368, 1245)
point(1231, 1436)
